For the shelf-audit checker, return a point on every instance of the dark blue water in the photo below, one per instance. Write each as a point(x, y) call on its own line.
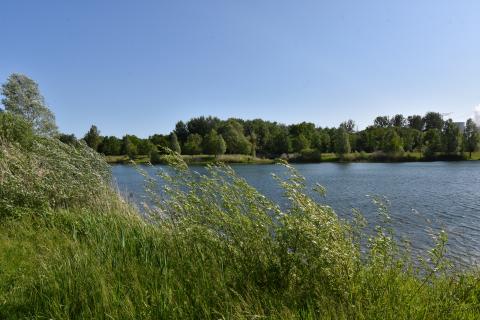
point(422, 196)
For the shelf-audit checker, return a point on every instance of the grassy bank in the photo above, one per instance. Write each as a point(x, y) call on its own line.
point(194, 159)
point(324, 157)
point(211, 247)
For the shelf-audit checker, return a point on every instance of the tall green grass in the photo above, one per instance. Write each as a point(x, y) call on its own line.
point(206, 247)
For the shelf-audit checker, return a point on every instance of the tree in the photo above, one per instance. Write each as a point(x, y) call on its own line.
point(253, 140)
point(193, 145)
point(415, 122)
point(202, 125)
point(232, 133)
point(381, 122)
point(160, 141)
point(342, 142)
point(174, 145)
point(398, 121)
point(181, 131)
point(433, 120)
point(129, 146)
point(451, 137)
point(348, 125)
point(23, 98)
point(433, 142)
point(307, 129)
point(300, 143)
point(392, 143)
point(146, 147)
point(92, 138)
point(471, 137)
point(280, 141)
point(110, 146)
point(213, 143)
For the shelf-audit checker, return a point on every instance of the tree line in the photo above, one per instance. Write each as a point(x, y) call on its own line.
point(429, 134)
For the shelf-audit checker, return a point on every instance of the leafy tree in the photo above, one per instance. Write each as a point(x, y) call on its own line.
point(300, 143)
point(181, 130)
point(433, 120)
point(213, 143)
point(307, 129)
point(451, 137)
point(412, 139)
point(280, 142)
point(471, 137)
point(23, 98)
point(321, 141)
point(342, 142)
point(110, 146)
point(92, 138)
point(146, 147)
point(348, 125)
point(381, 122)
point(262, 131)
point(416, 122)
point(232, 133)
point(129, 146)
point(193, 145)
point(433, 142)
point(174, 145)
point(202, 125)
point(398, 121)
point(160, 141)
point(392, 143)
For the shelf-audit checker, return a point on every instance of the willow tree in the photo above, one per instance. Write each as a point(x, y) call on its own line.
point(22, 97)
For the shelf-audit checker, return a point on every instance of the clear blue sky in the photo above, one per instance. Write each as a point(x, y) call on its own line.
point(139, 66)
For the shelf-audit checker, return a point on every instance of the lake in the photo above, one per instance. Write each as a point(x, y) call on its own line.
point(422, 195)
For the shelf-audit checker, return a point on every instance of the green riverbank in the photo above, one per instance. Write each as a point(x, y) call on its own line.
point(325, 157)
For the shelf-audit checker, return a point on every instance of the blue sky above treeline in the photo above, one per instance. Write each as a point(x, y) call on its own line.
point(140, 66)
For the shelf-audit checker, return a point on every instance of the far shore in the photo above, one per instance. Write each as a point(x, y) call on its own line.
point(298, 158)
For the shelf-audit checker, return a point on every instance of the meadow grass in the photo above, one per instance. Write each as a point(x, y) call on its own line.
point(209, 246)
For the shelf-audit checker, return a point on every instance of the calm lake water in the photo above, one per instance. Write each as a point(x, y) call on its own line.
point(422, 196)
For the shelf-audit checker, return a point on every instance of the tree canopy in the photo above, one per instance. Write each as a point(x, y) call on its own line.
point(22, 97)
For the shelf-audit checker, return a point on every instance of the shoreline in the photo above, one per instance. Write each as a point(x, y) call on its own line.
point(325, 158)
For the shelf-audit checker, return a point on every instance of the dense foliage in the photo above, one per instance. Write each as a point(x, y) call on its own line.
point(429, 135)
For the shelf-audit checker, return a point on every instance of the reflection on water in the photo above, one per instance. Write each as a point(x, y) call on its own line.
point(422, 195)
